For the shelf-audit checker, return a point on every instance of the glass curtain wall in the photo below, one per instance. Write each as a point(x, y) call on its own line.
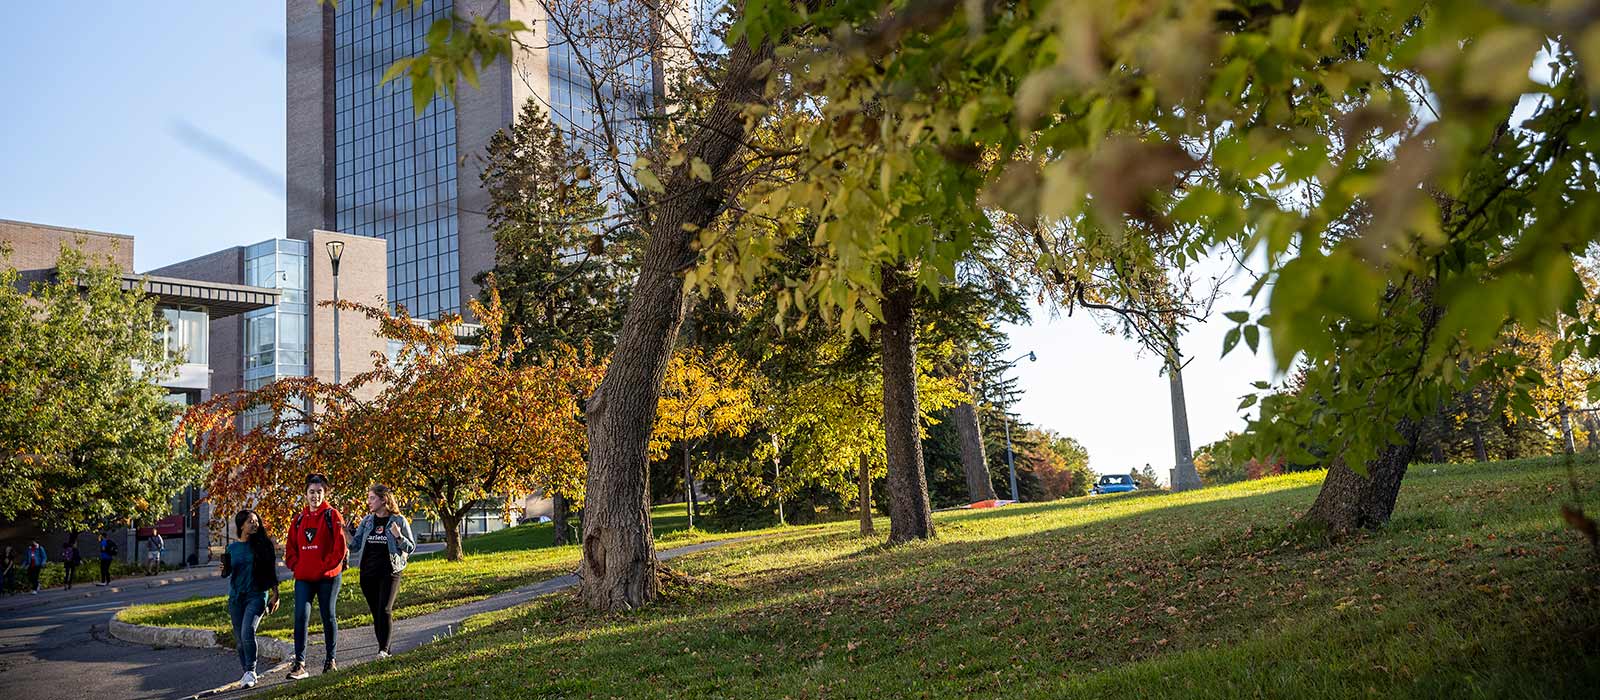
point(276, 339)
point(395, 172)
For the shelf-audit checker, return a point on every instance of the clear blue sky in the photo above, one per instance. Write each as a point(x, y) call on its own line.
point(126, 117)
point(166, 122)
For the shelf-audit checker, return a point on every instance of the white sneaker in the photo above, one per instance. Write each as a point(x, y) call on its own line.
point(249, 680)
point(383, 654)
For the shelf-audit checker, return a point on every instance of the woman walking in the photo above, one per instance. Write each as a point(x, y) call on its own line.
point(315, 552)
point(382, 544)
point(251, 567)
point(35, 560)
point(108, 552)
point(70, 559)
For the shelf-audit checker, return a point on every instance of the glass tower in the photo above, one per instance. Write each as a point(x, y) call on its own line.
point(395, 172)
point(276, 338)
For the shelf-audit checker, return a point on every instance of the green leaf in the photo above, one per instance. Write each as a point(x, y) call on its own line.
point(394, 71)
point(421, 92)
point(1252, 337)
point(438, 31)
point(700, 169)
point(1230, 340)
point(1237, 316)
point(1249, 400)
point(649, 180)
point(967, 117)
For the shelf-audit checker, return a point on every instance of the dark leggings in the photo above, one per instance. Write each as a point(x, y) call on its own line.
point(33, 578)
point(380, 592)
point(105, 571)
point(72, 572)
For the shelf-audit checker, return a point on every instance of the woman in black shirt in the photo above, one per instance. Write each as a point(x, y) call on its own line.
point(381, 545)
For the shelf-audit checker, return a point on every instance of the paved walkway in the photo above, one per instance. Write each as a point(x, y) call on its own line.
point(58, 648)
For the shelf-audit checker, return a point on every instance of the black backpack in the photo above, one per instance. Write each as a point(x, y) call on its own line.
point(111, 548)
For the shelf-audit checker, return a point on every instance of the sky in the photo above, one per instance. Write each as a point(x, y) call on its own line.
point(166, 123)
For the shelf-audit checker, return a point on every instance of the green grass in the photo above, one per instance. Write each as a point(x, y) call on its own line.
point(496, 562)
point(1475, 590)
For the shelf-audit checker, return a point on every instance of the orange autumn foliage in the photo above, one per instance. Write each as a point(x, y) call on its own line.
point(450, 424)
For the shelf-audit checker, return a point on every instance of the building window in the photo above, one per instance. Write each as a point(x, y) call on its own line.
point(186, 334)
point(395, 172)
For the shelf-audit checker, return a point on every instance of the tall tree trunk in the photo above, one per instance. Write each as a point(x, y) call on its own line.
point(688, 486)
point(1184, 476)
point(1349, 501)
point(973, 460)
point(910, 515)
point(1512, 451)
point(618, 569)
point(1567, 443)
point(777, 476)
point(864, 492)
point(451, 522)
point(1480, 451)
point(560, 509)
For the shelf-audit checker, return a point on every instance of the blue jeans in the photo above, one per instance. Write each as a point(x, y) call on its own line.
point(246, 612)
point(327, 593)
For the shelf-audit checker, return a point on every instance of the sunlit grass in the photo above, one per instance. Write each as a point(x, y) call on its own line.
point(1476, 590)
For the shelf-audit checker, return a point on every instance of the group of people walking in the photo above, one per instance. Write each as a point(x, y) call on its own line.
point(317, 549)
point(31, 562)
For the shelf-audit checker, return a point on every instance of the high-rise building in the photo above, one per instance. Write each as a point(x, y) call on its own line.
point(361, 161)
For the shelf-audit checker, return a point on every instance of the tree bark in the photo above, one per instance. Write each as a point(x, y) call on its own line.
point(561, 509)
point(864, 492)
point(1349, 501)
point(973, 460)
point(910, 515)
point(688, 486)
point(1510, 431)
point(1567, 443)
point(619, 567)
point(1480, 451)
point(452, 534)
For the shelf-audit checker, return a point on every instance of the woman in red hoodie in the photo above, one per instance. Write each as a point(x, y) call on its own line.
point(315, 552)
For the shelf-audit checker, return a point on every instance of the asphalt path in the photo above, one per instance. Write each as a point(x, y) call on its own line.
point(55, 644)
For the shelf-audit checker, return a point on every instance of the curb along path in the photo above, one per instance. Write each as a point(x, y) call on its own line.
point(358, 645)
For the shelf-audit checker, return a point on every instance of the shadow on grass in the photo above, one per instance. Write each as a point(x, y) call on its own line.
point(947, 617)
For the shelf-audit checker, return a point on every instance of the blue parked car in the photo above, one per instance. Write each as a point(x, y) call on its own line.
point(1114, 483)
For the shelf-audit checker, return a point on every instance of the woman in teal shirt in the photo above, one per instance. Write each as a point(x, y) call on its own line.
point(251, 567)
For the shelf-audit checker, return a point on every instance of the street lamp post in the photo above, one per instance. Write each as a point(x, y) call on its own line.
point(336, 251)
point(1011, 463)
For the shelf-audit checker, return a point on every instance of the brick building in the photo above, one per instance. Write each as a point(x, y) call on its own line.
point(193, 306)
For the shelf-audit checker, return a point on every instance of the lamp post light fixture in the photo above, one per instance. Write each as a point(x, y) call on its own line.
point(336, 251)
point(1011, 463)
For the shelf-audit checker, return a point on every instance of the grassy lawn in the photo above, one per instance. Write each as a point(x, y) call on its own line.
point(1475, 590)
point(496, 562)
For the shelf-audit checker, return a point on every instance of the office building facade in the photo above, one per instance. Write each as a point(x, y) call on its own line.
point(361, 161)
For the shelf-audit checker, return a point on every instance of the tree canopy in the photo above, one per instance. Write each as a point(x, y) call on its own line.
point(83, 421)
